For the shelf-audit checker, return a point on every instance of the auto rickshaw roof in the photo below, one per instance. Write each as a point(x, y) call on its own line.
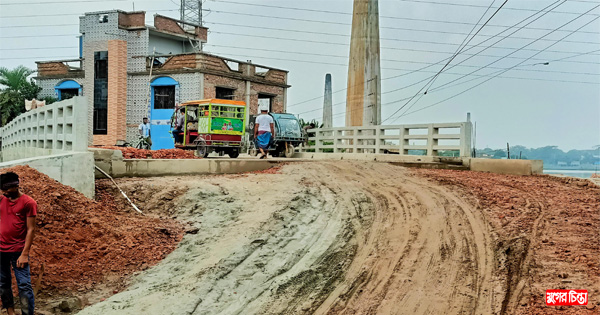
point(213, 101)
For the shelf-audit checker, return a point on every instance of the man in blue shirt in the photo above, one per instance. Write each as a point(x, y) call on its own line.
point(145, 131)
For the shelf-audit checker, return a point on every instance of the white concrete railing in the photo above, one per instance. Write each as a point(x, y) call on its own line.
point(430, 138)
point(56, 128)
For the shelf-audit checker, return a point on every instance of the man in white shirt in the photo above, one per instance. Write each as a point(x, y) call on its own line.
point(144, 130)
point(264, 130)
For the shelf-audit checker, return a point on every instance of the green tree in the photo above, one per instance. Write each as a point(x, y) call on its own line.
point(15, 89)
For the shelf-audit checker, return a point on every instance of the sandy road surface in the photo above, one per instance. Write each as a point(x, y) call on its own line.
point(332, 237)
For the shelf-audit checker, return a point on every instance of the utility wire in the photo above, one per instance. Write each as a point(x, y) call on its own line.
point(460, 48)
point(56, 2)
point(400, 61)
point(410, 61)
point(390, 48)
point(496, 74)
point(323, 11)
point(380, 16)
point(504, 71)
point(390, 39)
point(36, 48)
point(544, 10)
point(338, 23)
point(482, 6)
point(528, 45)
point(386, 68)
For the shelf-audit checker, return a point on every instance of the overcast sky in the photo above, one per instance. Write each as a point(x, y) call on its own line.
point(532, 104)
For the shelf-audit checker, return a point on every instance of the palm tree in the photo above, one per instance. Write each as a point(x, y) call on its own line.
point(14, 89)
point(15, 79)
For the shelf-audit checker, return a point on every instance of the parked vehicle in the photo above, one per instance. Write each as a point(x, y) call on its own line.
point(288, 135)
point(213, 125)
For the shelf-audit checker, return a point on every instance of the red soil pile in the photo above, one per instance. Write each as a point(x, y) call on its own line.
point(556, 220)
point(133, 153)
point(83, 242)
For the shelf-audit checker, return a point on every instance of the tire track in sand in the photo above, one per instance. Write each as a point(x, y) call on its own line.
point(428, 252)
point(327, 238)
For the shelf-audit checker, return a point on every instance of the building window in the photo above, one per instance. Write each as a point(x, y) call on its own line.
point(224, 93)
point(101, 65)
point(66, 94)
point(164, 97)
point(100, 93)
point(265, 100)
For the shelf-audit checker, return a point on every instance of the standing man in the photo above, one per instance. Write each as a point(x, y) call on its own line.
point(145, 131)
point(17, 227)
point(178, 126)
point(264, 130)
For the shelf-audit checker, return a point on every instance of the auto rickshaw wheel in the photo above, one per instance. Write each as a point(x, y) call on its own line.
point(289, 151)
point(201, 149)
point(234, 153)
point(253, 152)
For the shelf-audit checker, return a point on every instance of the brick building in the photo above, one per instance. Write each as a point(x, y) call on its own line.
point(128, 70)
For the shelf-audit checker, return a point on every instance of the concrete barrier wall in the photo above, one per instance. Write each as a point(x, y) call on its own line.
point(513, 167)
point(72, 169)
point(113, 163)
point(53, 140)
point(57, 128)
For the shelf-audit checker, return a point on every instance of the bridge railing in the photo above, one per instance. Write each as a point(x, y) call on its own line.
point(57, 128)
point(416, 139)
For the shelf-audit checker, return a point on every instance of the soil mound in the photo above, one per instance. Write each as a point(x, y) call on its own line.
point(83, 242)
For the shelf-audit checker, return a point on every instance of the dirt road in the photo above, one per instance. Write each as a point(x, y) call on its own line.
point(331, 237)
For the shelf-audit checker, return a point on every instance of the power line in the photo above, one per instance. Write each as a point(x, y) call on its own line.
point(411, 61)
point(381, 16)
point(481, 42)
point(56, 2)
point(543, 11)
point(491, 77)
point(36, 48)
point(391, 48)
point(403, 61)
point(316, 21)
point(339, 23)
point(42, 25)
point(386, 68)
point(383, 39)
point(459, 49)
point(534, 42)
point(437, 103)
point(26, 36)
point(482, 6)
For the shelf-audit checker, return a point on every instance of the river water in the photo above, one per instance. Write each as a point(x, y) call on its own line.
point(573, 173)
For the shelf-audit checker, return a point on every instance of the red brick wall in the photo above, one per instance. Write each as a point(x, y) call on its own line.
point(180, 62)
point(212, 81)
point(212, 63)
point(202, 33)
point(276, 76)
point(117, 94)
point(133, 19)
point(256, 88)
point(52, 68)
point(165, 24)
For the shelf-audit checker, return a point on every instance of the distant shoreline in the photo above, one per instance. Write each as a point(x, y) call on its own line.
point(572, 173)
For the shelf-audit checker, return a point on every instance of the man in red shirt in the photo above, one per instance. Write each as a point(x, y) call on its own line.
point(17, 227)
